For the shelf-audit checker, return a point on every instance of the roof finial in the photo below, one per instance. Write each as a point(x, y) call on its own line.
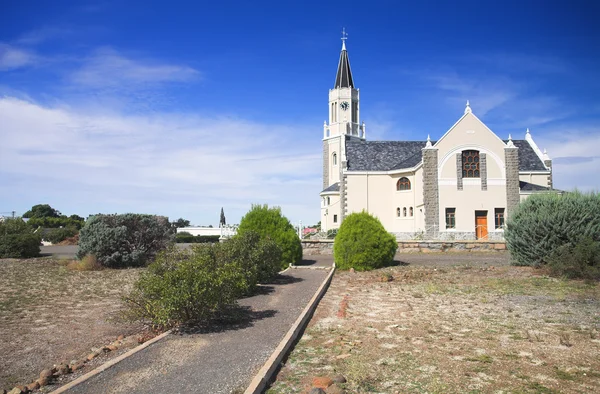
point(528, 130)
point(344, 38)
point(510, 142)
point(468, 108)
point(428, 144)
point(546, 156)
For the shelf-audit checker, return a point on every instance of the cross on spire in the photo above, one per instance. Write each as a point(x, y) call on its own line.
point(344, 38)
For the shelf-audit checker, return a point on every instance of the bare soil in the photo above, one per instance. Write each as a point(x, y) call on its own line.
point(438, 325)
point(49, 314)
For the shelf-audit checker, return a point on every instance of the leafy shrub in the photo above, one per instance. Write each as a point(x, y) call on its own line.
point(52, 222)
point(187, 238)
point(546, 222)
point(270, 223)
point(577, 261)
point(185, 286)
point(57, 235)
point(17, 240)
point(87, 263)
point(363, 243)
point(127, 240)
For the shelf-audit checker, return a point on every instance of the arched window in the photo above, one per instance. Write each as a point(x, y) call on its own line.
point(410, 211)
point(328, 201)
point(334, 159)
point(470, 164)
point(404, 211)
point(403, 184)
point(398, 212)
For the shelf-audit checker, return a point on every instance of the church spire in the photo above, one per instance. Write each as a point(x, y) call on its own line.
point(343, 78)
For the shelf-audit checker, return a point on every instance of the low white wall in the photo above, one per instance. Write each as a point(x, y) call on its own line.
point(200, 230)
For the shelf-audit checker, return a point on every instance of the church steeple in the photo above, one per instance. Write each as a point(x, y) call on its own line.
point(343, 77)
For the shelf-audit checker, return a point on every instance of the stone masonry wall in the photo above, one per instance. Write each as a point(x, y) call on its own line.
point(483, 170)
point(459, 177)
point(431, 195)
point(325, 165)
point(511, 158)
point(325, 246)
point(548, 163)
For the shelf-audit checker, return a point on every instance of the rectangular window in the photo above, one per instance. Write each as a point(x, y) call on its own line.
point(499, 218)
point(335, 218)
point(450, 217)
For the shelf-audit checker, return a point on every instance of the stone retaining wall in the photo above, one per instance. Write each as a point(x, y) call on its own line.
point(325, 246)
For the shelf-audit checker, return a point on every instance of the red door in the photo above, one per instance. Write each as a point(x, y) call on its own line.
point(481, 228)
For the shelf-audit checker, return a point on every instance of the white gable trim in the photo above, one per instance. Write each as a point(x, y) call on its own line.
point(459, 120)
point(451, 154)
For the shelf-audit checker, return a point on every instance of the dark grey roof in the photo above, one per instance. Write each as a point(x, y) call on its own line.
point(333, 188)
point(530, 187)
point(343, 78)
point(528, 159)
point(383, 155)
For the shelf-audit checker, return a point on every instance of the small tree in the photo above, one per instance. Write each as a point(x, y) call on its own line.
point(180, 223)
point(270, 223)
point(222, 219)
point(363, 243)
point(17, 239)
point(42, 211)
point(124, 240)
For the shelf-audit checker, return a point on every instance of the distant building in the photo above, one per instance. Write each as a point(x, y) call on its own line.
point(462, 186)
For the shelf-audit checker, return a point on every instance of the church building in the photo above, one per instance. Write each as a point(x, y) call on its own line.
point(461, 186)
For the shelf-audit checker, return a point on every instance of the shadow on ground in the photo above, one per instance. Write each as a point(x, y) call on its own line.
point(234, 318)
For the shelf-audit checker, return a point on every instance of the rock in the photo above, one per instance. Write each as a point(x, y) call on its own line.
point(96, 349)
point(111, 348)
point(76, 365)
point(339, 379)
point(317, 390)
point(62, 369)
point(352, 270)
point(43, 381)
point(17, 390)
point(120, 337)
point(91, 356)
point(47, 373)
point(335, 389)
point(33, 386)
point(322, 382)
point(343, 356)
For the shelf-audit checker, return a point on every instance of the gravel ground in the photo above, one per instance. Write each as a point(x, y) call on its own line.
point(220, 360)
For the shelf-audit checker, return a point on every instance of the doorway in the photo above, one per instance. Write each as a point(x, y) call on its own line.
point(481, 228)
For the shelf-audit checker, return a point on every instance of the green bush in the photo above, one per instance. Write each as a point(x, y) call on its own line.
point(183, 286)
point(577, 261)
point(17, 239)
point(543, 223)
point(270, 223)
point(127, 240)
point(56, 235)
point(50, 222)
point(363, 243)
point(187, 238)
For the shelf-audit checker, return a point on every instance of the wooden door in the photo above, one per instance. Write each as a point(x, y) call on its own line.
point(481, 228)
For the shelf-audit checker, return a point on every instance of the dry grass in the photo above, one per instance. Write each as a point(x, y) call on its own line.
point(452, 329)
point(88, 263)
point(50, 313)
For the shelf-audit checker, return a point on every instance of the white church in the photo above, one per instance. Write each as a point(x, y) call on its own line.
point(462, 186)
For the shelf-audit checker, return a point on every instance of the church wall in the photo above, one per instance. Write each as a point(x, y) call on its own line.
point(536, 179)
point(334, 169)
point(328, 211)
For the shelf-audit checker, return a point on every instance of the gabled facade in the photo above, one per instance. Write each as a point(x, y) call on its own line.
point(461, 186)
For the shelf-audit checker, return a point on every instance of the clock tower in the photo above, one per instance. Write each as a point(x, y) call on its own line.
point(344, 123)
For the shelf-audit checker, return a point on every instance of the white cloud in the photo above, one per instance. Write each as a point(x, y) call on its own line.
point(173, 164)
point(12, 58)
point(107, 68)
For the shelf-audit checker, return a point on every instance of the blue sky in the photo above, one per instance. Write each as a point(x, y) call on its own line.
point(181, 108)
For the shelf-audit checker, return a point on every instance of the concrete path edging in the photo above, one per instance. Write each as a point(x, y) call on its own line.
point(264, 375)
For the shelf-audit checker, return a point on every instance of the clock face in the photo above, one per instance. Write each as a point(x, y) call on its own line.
point(344, 105)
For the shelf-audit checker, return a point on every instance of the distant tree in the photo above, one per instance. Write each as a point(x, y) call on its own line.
point(181, 222)
point(42, 211)
point(77, 218)
point(222, 220)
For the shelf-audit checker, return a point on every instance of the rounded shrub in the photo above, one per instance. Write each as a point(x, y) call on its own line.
point(270, 223)
point(544, 223)
point(363, 243)
point(128, 240)
point(17, 240)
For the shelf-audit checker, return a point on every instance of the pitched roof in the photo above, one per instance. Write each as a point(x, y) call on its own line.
point(332, 188)
point(530, 187)
point(528, 159)
point(343, 78)
point(382, 155)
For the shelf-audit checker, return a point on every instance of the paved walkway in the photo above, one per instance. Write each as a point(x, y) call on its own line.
point(222, 361)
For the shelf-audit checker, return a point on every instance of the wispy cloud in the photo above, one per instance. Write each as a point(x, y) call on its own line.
point(181, 161)
point(12, 58)
point(42, 34)
point(106, 68)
